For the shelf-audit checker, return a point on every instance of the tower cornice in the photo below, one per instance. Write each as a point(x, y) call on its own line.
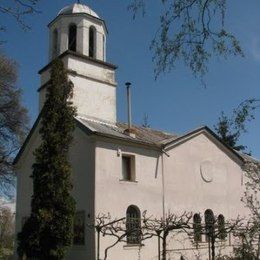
point(79, 55)
point(79, 14)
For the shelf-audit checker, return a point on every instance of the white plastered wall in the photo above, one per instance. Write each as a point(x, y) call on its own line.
point(185, 161)
point(82, 157)
point(94, 93)
point(185, 190)
point(98, 188)
point(114, 195)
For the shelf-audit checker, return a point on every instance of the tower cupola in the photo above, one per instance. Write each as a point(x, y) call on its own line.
point(78, 36)
point(78, 28)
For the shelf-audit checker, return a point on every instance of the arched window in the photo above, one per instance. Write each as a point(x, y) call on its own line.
point(197, 228)
point(133, 225)
point(72, 37)
point(92, 42)
point(221, 227)
point(209, 223)
point(55, 44)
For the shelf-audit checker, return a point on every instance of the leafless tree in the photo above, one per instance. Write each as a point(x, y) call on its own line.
point(146, 122)
point(106, 226)
point(149, 227)
point(13, 120)
point(162, 228)
point(18, 9)
point(216, 231)
point(6, 232)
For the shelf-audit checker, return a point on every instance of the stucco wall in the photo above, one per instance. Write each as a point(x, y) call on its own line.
point(99, 188)
point(185, 189)
point(183, 176)
point(82, 157)
point(94, 92)
point(114, 195)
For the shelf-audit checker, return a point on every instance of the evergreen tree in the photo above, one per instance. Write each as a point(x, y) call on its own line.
point(48, 232)
point(230, 129)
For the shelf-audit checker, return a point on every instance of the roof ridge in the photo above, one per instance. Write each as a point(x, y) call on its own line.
point(151, 129)
point(95, 120)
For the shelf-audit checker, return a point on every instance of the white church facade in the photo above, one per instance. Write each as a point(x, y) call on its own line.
point(120, 171)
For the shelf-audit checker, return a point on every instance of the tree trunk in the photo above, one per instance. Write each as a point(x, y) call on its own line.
point(258, 248)
point(165, 234)
point(98, 243)
point(213, 247)
point(159, 247)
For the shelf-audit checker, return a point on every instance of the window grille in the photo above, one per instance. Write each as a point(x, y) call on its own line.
point(197, 228)
point(79, 229)
point(209, 223)
point(133, 225)
point(221, 227)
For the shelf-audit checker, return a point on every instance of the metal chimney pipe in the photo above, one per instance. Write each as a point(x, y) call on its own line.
point(129, 108)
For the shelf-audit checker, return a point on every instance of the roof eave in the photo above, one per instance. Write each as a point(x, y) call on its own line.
point(78, 14)
point(22, 149)
point(136, 141)
point(208, 130)
point(27, 139)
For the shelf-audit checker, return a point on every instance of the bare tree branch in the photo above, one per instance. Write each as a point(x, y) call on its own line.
point(19, 10)
point(191, 31)
point(13, 121)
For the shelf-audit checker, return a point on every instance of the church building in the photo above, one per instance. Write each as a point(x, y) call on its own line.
point(123, 169)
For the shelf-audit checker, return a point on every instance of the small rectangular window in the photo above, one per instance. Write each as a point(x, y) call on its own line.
point(79, 229)
point(128, 172)
point(24, 219)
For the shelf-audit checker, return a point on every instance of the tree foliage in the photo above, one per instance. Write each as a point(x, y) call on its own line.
point(231, 128)
point(48, 233)
point(13, 120)
point(191, 31)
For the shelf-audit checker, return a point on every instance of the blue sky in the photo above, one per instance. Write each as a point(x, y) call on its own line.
point(176, 102)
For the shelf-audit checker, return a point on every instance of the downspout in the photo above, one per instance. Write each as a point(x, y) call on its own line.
point(161, 152)
point(165, 233)
point(163, 188)
point(163, 180)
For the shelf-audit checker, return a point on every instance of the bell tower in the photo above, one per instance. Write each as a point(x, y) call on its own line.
point(78, 36)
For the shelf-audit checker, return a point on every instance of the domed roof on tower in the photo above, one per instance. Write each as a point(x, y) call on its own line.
point(78, 8)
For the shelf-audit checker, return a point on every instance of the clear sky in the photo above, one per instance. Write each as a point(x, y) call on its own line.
point(176, 102)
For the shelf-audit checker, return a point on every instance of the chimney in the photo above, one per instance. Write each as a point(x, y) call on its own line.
point(129, 131)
